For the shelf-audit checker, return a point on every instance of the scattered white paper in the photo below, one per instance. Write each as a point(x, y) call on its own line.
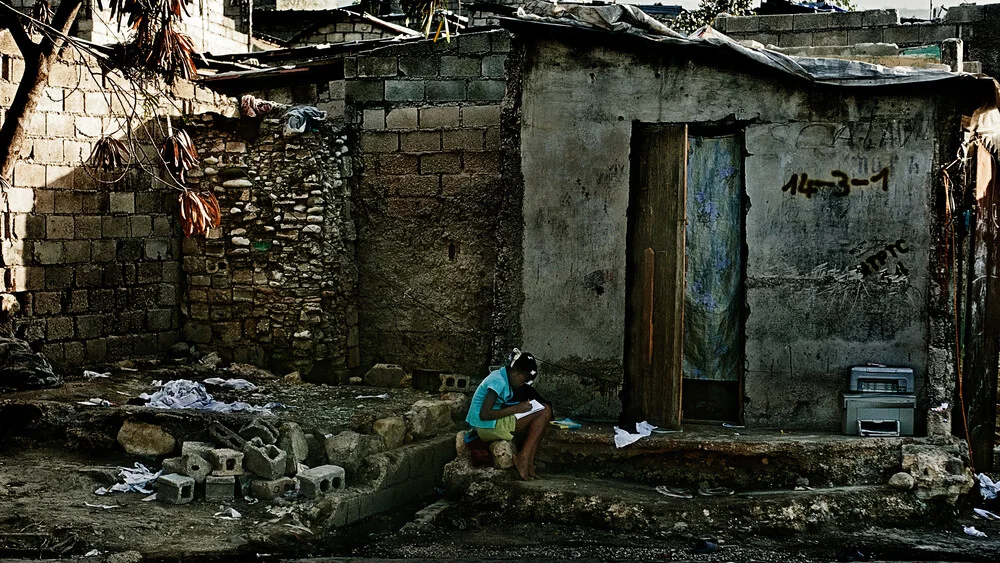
point(731, 425)
point(382, 396)
point(95, 403)
point(104, 506)
point(623, 438)
point(986, 514)
point(95, 375)
point(987, 487)
point(149, 498)
point(228, 514)
point(135, 479)
point(972, 531)
point(92, 553)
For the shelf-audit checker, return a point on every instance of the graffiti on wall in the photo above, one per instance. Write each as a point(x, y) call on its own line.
point(840, 185)
point(868, 134)
point(885, 260)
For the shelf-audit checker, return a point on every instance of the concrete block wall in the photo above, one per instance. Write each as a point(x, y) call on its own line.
point(350, 29)
point(975, 25)
point(95, 264)
point(214, 25)
point(275, 284)
point(428, 117)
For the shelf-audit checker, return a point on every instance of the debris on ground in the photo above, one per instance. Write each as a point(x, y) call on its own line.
point(185, 394)
point(134, 479)
point(987, 487)
point(972, 531)
point(23, 368)
point(235, 384)
point(95, 375)
point(624, 438)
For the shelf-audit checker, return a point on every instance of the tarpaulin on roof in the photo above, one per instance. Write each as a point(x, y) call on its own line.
point(621, 18)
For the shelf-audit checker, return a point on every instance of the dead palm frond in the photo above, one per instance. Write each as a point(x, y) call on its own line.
point(178, 153)
point(109, 154)
point(199, 212)
point(42, 12)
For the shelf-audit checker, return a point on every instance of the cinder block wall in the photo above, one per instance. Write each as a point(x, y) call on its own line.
point(977, 26)
point(428, 202)
point(214, 25)
point(275, 285)
point(95, 265)
point(344, 28)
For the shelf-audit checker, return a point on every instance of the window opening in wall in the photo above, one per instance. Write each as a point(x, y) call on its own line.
point(453, 250)
point(6, 68)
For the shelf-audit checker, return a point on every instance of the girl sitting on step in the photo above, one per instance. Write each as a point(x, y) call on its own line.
point(494, 416)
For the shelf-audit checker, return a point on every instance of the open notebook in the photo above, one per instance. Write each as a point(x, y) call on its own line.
point(535, 407)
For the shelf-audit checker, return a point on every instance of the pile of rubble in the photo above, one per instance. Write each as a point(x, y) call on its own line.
point(260, 461)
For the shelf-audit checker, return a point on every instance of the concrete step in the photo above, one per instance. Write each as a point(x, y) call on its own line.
point(630, 507)
point(739, 458)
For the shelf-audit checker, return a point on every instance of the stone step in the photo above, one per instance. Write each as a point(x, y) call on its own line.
point(739, 458)
point(623, 506)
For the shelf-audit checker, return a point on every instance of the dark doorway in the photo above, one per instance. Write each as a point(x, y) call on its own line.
point(713, 293)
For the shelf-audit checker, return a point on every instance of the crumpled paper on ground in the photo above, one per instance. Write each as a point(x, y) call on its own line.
point(136, 479)
point(185, 394)
point(623, 438)
point(987, 487)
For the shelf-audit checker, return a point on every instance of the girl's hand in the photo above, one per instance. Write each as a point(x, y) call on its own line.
point(522, 407)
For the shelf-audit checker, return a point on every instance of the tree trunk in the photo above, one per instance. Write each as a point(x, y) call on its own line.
point(38, 60)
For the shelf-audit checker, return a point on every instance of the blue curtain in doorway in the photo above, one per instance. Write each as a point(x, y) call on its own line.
point(714, 259)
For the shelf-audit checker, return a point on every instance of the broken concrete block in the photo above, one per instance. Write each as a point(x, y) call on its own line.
point(174, 489)
point(196, 467)
point(454, 383)
point(459, 404)
point(263, 460)
point(259, 428)
point(902, 481)
point(385, 375)
point(349, 450)
point(460, 445)
point(426, 417)
point(391, 430)
point(220, 487)
point(318, 481)
point(292, 440)
point(503, 454)
point(270, 489)
point(139, 438)
point(198, 448)
point(938, 471)
point(173, 465)
point(226, 437)
point(226, 462)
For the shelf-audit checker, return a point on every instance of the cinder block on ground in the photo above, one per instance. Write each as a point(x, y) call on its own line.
point(385, 375)
point(198, 448)
point(270, 489)
point(173, 465)
point(226, 462)
point(220, 487)
point(175, 489)
point(226, 437)
point(391, 430)
point(263, 460)
point(318, 481)
point(196, 467)
point(454, 383)
point(259, 428)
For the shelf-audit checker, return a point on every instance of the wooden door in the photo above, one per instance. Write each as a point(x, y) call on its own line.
point(655, 273)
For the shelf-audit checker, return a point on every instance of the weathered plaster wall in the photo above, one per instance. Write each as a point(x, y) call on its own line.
point(812, 312)
point(275, 284)
point(429, 198)
point(95, 264)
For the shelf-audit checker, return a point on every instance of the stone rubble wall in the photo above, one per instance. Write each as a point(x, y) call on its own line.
point(94, 265)
point(428, 117)
point(275, 285)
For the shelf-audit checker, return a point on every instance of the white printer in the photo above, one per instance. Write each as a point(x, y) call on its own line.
point(880, 401)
